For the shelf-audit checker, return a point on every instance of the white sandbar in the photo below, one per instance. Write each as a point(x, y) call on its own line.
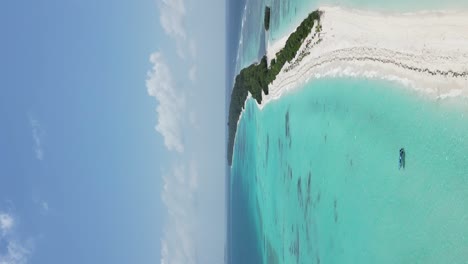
point(427, 51)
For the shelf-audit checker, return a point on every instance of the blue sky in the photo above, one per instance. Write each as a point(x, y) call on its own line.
point(112, 131)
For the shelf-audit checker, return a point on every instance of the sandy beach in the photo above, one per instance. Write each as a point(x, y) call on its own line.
point(426, 51)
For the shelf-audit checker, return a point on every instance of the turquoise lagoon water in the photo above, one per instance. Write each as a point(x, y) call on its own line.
point(315, 174)
point(315, 177)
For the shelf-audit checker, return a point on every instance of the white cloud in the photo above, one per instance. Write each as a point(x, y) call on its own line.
point(38, 134)
point(6, 223)
point(11, 250)
point(179, 197)
point(15, 253)
point(193, 73)
point(172, 15)
point(172, 18)
point(171, 106)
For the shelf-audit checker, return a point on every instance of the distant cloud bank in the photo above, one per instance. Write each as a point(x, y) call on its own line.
point(171, 106)
point(172, 18)
point(179, 197)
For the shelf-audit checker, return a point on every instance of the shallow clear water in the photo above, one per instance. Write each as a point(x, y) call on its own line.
point(330, 191)
point(315, 177)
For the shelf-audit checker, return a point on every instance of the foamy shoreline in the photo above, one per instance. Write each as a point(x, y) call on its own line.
point(427, 51)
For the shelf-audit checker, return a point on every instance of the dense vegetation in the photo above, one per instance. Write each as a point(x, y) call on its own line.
point(256, 77)
point(267, 18)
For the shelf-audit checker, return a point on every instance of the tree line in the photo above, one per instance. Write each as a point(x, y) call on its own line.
point(256, 77)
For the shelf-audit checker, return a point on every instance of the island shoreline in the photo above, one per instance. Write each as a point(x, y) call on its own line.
point(438, 70)
point(365, 44)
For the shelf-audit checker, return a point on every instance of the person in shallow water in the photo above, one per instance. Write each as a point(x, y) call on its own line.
point(402, 159)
